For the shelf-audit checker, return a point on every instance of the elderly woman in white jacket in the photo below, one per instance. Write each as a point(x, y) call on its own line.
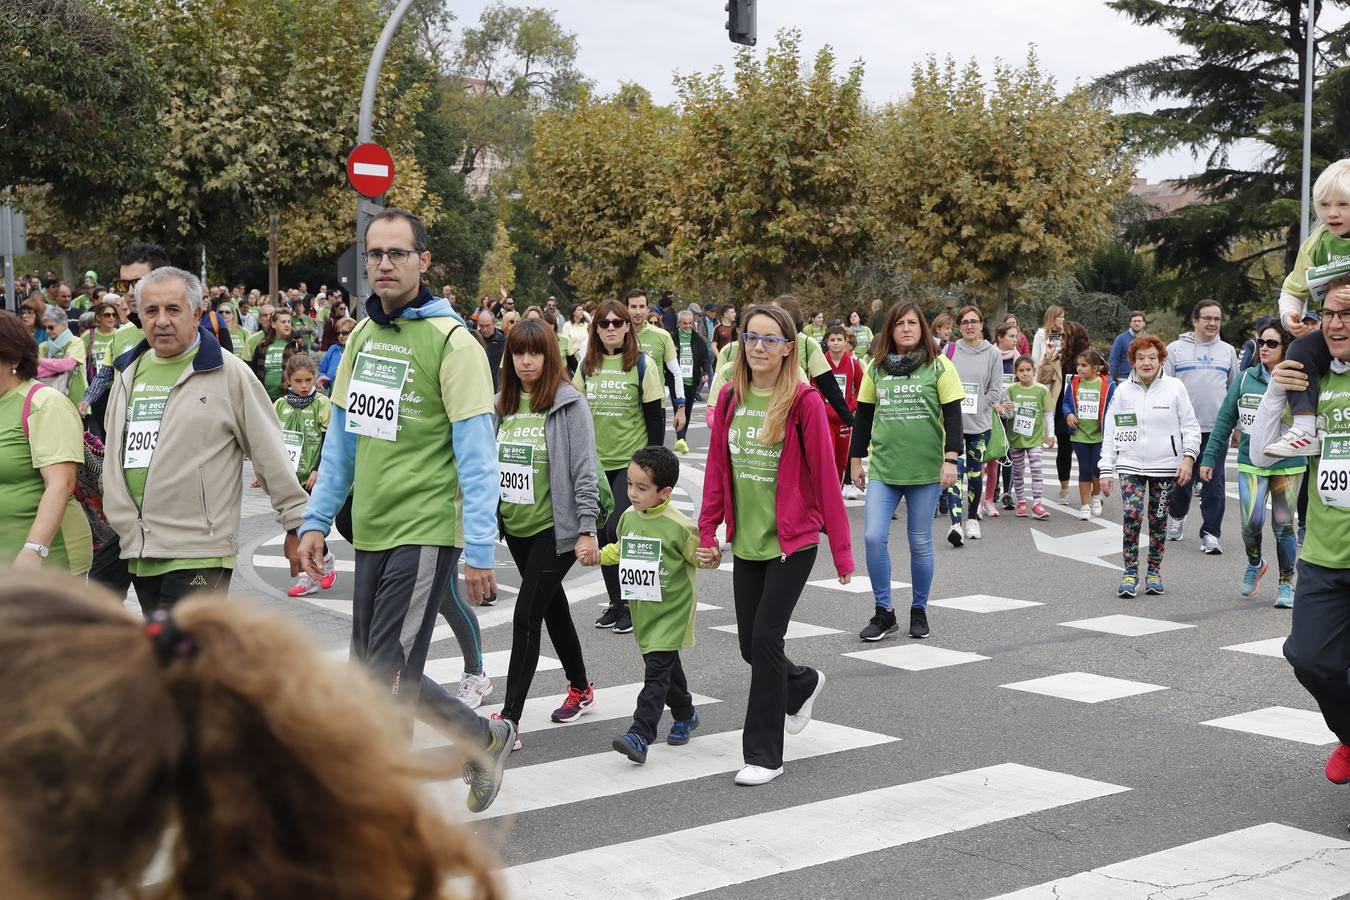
point(1150, 441)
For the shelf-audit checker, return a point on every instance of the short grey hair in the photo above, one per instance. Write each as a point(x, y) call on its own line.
point(169, 273)
point(55, 315)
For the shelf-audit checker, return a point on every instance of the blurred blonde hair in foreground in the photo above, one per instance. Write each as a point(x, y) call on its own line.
point(270, 771)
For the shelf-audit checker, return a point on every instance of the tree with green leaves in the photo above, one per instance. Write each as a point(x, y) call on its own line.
point(984, 186)
point(80, 104)
point(598, 178)
point(769, 171)
point(1239, 85)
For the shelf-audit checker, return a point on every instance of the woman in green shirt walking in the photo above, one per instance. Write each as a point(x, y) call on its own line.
point(625, 392)
point(275, 347)
point(550, 499)
point(861, 333)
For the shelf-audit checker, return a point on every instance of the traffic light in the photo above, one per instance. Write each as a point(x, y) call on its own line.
point(741, 22)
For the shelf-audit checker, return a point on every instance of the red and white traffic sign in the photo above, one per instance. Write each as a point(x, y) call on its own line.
point(370, 170)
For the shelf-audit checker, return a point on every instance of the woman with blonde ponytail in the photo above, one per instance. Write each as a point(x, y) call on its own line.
point(771, 479)
point(270, 771)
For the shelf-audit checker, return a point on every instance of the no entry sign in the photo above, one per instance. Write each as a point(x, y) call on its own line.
point(370, 169)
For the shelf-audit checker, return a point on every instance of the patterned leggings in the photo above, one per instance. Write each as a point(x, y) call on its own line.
point(1021, 458)
point(969, 478)
point(1137, 493)
point(1283, 493)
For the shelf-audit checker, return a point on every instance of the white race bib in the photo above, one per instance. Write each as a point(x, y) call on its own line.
point(640, 569)
point(842, 379)
point(1024, 420)
point(295, 442)
point(1247, 405)
point(1333, 471)
point(516, 462)
point(970, 403)
point(1089, 405)
point(142, 431)
point(1127, 428)
point(374, 394)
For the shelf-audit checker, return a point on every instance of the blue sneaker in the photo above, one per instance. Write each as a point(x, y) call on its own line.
point(680, 729)
point(1129, 585)
point(633, 746)
point(1252, 577)
point(1153, 584)
point(1286, 598)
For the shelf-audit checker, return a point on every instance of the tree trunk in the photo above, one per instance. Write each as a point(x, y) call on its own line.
point(780, 280)
point(1002, 291)
point(273, 264)
point(68, 268)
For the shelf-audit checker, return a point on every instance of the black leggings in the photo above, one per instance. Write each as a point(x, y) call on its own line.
point(1063, 447)
point(541, 602)
point(1311, 350)
point(618, 483)
point(766, 593)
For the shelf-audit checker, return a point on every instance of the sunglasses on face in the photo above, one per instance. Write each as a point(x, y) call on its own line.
point(1269, 344)
point(344, 333)
point(124, 285)
point(610, 323)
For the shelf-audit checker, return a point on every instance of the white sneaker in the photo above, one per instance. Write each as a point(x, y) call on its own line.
point(973, 530)
point(795, 722)
point(1174, 528)
point(754, 775)
point(851, 492)
point(1084, 513)
point(1297, 441)
point(303, 587)
point(1210, 544)
point(1096, 506)
point(473, 688)
point(955, 535)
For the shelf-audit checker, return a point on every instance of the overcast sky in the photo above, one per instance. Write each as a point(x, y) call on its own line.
point(647, 40)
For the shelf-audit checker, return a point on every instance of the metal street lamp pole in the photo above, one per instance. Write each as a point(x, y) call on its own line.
point(367, 208)
point(1305, 199)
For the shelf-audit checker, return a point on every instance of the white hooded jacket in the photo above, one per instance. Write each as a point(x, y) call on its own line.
point(1149, 428)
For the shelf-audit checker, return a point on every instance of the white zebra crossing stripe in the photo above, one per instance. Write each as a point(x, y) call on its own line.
point(606, 774)
point(795, 629)
point(735, 851)
point(1267, 860)
point(264, 561)
point(450, 668)
point(615, 702)
point(1302, 725)
point(1269, 647)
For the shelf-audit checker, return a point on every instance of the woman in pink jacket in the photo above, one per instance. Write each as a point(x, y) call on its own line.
point(770, 479)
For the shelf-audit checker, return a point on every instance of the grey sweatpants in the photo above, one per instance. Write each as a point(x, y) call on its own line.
point(396, 596)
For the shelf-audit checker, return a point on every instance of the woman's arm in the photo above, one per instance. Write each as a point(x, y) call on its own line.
point(58, 482)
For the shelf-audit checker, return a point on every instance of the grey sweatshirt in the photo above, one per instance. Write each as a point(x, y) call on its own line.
point(572, 466)
point(1207, 369)
point(981, 366)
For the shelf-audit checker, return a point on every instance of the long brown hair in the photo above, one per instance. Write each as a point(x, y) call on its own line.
point(531, 336)
point(595, 348)
point(1076, 341)
point(243, 740)
point(784, 389)
point(883, 342)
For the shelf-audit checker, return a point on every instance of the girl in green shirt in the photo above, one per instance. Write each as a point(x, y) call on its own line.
point(861, 333)
point(276, 346)
point(304, 414)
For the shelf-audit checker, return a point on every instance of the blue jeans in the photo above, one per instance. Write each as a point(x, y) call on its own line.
point(882, 501)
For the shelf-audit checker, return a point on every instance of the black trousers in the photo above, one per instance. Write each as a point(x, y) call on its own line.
point(665, 685)
point(766, 594)
point(1063, 446)
point(541, 602)
point(165, 590)
point(1318, 646)
point(1313, 352)
point(618, 483)
point(110, 569)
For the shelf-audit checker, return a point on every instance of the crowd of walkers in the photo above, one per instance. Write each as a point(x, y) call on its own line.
point(424, 434)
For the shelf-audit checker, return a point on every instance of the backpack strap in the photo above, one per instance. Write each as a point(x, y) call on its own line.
point(642, 370)
point(28, 406)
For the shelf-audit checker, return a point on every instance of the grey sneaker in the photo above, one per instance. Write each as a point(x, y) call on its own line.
point(1174, 528)
point(1210, 544)
point(484, 775)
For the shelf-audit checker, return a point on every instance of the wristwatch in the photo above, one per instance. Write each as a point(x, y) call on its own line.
point(40, 549)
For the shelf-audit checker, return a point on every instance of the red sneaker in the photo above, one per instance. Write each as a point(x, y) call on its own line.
point(576, 703)
point(1338, 765)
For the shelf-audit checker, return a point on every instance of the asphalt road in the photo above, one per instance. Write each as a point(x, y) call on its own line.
point(1048, 739)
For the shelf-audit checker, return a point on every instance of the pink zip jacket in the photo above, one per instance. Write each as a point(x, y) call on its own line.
point(808, 498)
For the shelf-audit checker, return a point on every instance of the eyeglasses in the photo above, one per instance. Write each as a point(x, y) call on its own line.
point(124, 284)
point(771, 341)
point(965, 322)
point(1209, 318)
point(1269, 344)
point(609, 323)
point(108, 314)
point(1335, 315)
point(344, 333)
point(396, 256)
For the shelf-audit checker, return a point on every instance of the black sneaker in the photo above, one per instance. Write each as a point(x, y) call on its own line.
point(608, 618)
point(625, 622)
point(882, 624)
point(918, 623)
point(491, 599)
point(1008, 500)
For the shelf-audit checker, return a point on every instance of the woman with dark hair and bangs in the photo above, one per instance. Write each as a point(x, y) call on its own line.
point(625, 391)
point(550, 500)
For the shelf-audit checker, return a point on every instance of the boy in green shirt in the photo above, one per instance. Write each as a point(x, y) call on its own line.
point(656, 558)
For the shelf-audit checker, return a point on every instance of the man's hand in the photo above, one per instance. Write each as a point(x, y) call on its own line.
point(681, 416)
point(1289, 375)
point(309, 548)
point(855, 471)
point(83, 408)
point(1206, 473)
point(480, 583)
